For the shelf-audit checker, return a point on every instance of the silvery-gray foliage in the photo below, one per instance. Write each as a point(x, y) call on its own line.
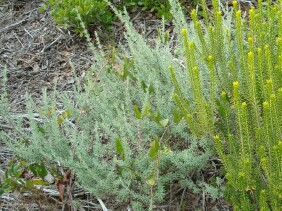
point(103, 111)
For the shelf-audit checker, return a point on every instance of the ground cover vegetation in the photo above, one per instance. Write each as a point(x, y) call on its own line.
point(154, 116)
point(97, 12)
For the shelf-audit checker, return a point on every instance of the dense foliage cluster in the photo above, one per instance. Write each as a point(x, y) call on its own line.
point(244, 64)
point(97, 12)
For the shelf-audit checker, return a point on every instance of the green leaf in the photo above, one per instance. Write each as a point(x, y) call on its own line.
point(1, 191)
point(22, 163)
point(39, 182)
point(146, 109)
point(163, 122)
point(66, 114)
point(155, 146)
point(158, 118)
point(16, 170)
point(29, 184)
point(41, 170)
point(144, 86)
point(127, 73)
point(151, 89)
point(151, 181)
point(41, 129)
point(137, 112)
point(32, 168)
point(166, 37)
point(119, 149)
point(60, 120)
point(176, 116)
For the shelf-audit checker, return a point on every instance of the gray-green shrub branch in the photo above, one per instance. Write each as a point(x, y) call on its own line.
point(115, 143)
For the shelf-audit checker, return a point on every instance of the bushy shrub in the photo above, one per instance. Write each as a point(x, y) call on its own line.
point(98, 13)
point(64, 13)
point(145, 120)
point(117, 130)
point(244, 64)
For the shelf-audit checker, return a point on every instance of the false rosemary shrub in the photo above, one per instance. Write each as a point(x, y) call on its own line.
point(244, 64)
point(253, 163)
point(118, 131)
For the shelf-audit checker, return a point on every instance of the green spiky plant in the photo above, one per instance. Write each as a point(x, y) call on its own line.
point(246, 119)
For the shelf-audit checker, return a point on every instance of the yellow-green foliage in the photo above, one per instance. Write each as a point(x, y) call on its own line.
point(97, 12)
point(65, 12)
point(244, 64)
